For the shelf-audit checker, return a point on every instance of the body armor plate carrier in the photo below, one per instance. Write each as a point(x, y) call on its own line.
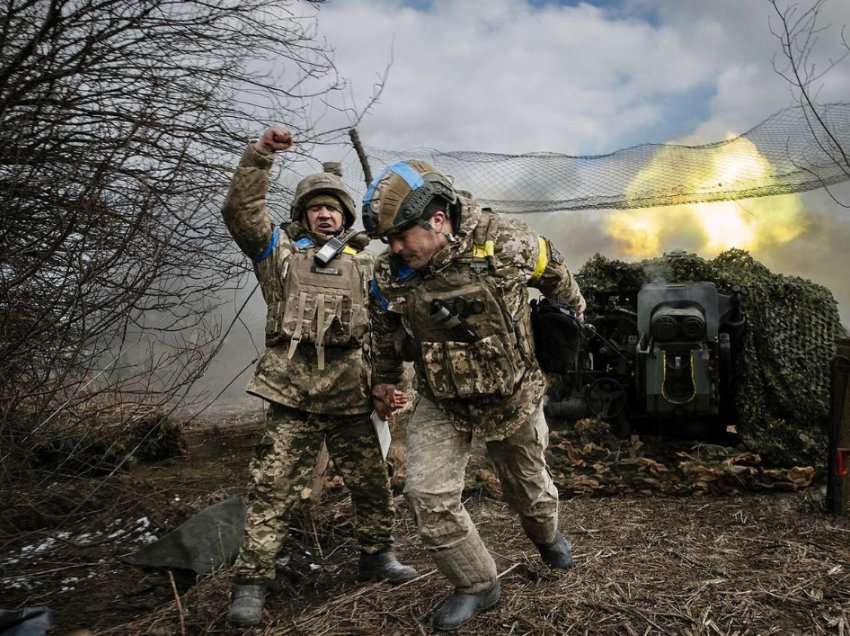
point(322, 305)
point(469, 343)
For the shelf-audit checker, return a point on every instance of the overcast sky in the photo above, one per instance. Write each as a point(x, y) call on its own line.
point(584, 78)
point(572, 77)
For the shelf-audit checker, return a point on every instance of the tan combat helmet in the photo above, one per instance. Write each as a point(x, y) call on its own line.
point(327, 182)
point(398, 197)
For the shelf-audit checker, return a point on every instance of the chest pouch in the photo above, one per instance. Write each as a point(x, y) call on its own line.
point(323, 305)
point(468, 344)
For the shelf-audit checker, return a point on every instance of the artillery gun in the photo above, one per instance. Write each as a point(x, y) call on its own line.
point(664, 351)
point(762, 361)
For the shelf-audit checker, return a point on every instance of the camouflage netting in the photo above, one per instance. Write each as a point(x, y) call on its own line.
point(783, 374)
point(782, 154)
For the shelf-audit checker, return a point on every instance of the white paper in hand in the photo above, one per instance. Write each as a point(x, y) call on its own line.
point(383, 431)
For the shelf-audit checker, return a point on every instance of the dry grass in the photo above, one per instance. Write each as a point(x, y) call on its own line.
point(755, 564)
point(706, 563)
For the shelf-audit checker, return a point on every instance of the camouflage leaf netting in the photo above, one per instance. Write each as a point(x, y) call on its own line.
point(783, 154)
point(783, 373)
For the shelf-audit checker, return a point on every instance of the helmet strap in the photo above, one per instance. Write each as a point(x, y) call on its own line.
point(450, 237)
point(430, 228)
point(454, 213)
point(424, 225)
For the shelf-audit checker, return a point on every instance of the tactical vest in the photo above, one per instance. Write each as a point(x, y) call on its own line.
point(322, 305)
point(468, 343)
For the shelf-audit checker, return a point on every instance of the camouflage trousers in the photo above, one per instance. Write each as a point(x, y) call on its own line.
point(437, 454)
point(284, 463)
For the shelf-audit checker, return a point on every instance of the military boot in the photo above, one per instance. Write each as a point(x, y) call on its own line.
point(383, 566)
point(469, 566)
point(556, 554)
point(246, 609)
point(462, 607)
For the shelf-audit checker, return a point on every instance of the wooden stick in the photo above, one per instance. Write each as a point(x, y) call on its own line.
point(179, 604)
point(317, 480)
point(361, 154)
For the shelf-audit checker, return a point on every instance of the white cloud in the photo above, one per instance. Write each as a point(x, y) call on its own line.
point(502, 76)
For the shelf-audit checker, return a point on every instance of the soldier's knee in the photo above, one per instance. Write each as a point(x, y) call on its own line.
point(440, 518)
point(428, 502)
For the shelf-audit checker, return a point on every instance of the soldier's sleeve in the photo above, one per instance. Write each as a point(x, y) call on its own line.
point(244, 211)
point(387, 366)
point(550, 275)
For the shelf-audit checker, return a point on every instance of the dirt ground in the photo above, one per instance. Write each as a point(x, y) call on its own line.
point(733, 560)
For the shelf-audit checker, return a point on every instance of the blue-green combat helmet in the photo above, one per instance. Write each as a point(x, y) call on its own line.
point(397, 198)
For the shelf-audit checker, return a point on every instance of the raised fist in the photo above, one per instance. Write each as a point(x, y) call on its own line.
point(274, 139)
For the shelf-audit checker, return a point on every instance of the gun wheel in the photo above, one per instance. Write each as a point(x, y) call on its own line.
point(606, 398)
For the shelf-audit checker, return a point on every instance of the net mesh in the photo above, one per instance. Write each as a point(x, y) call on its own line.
point(783, 371)
point(791, 151)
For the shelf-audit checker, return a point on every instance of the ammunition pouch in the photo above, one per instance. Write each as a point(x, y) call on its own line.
point(324, 306)
point(489, 366)
point(468, 343)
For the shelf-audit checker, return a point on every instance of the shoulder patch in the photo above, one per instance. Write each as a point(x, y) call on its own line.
point(377, 295)
point(272, 244)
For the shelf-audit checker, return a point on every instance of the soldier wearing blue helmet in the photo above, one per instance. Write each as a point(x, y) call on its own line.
point(450, 293)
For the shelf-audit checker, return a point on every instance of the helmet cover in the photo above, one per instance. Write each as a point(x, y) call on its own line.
point(398, 197)
point(322, 183)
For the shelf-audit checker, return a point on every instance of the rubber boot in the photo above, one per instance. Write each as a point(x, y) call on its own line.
point(471, 569)
point(246, 609)
point(556, 554)
point(462, 607)
point(383, 566)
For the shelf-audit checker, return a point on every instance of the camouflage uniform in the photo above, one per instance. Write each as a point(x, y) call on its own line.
point(478, 378)
point(308, 404)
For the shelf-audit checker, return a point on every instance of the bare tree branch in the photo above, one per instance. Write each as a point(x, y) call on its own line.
point(119, 122)
point(799, 31)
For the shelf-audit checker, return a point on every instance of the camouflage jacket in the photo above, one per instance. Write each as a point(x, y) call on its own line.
point(464, 321)
point(342, 387)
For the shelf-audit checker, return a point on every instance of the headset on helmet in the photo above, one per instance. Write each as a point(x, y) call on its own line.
point(326, 182)
point(398, 197)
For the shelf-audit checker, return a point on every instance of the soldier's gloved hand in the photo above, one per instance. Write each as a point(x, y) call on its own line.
point(274, 139)
point(387, 398)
